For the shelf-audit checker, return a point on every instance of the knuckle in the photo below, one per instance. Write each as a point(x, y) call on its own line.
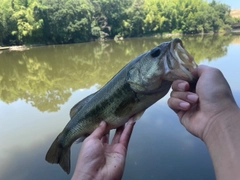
point(175, 84)
point(216, 71)
point(170, 100)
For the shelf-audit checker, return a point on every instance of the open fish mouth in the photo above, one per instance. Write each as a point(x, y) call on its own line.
point(179, 63)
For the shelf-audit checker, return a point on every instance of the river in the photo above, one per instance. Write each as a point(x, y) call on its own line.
point(39, 86)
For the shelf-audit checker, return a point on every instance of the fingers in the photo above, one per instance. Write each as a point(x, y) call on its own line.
point(201, 69)
point(127, 132)
point(181, 99)
point(100, 131)
point(105, 139)
point(122, 134)
point(117, 135)
point(185, 96)
point(178, 104)
point(180, 85)
point(209, 71)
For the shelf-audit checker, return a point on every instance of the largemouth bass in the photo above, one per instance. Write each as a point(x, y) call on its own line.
point(128, 94)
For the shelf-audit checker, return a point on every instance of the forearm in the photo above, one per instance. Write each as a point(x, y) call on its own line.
point(223, 142)
point(79, 176)
point(82, 172)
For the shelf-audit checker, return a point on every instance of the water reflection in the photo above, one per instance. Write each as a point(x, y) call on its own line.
point(46, 77)
point(52, 79)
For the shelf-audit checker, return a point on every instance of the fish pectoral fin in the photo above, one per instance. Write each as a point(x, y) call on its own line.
point(81, 139)
point(77, 107)
point(137, 116)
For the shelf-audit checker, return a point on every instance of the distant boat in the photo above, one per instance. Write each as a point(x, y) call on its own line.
point(4, 48)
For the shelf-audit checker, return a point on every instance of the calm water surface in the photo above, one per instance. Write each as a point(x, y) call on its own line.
point(39, 86)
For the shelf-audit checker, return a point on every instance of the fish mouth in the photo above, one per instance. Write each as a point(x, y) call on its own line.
point(178, 62)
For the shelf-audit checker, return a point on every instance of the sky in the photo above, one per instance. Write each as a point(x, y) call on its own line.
point(234, 4)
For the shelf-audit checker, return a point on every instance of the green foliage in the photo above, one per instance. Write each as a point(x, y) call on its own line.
point(134, 24)
point(6, 24)
point(71, 21)
point(26, 17)
point(67, 21)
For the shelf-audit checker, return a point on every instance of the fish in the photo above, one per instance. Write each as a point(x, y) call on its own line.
point(137, 86)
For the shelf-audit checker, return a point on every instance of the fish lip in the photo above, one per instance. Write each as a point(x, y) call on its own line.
point(183, 60)
point(175, 41)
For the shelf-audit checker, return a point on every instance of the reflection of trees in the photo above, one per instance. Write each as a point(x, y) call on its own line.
point(47, 76)
point(207, 47)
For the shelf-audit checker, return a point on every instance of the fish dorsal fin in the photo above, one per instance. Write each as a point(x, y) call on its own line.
point(77, 107)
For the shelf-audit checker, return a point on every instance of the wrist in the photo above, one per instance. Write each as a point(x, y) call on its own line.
point(80, 175)
point(222, 140)
point(222, 126)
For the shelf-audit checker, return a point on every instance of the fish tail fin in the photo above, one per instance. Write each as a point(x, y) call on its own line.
point(57, 154)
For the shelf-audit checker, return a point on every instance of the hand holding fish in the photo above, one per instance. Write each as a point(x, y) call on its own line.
point(212, 115)
point(100, 160)
point(212, 99)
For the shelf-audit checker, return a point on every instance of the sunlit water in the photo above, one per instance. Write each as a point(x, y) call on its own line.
point(39, 86)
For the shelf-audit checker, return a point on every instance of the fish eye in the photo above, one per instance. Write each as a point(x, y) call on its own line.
point(155, 52)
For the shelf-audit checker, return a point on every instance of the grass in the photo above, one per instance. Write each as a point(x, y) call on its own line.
point(235, 13)
point(236, 41)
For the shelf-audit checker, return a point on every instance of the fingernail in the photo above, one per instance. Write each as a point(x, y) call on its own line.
point(184, 105)
point(182, 86)
point(192, 97)
point(131, 122)
point(102, 123)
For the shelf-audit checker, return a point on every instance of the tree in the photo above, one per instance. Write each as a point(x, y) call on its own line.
point(25, 16)
point(134, 24)
point(223, 16)
point(68, 21)
point(72, 21)
point(155, 18)
point(7, 25)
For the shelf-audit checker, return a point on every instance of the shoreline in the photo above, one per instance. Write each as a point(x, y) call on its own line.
point(13, 48)
point(157, 35)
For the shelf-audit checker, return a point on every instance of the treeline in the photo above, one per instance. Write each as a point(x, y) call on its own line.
point(71, 21)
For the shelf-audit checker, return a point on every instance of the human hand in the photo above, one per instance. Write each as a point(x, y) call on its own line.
point(100, 160)
point(198, 112)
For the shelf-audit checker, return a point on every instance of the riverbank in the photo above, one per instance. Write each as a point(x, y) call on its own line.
point(14, 48)
point(117, 38)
